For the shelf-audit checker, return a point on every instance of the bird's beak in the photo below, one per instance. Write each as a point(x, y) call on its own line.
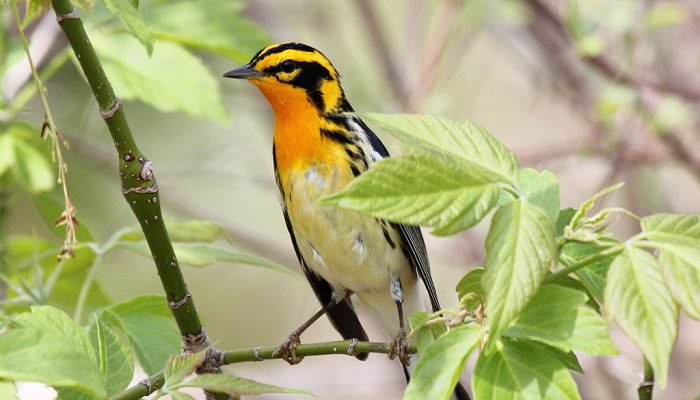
point(244, 72)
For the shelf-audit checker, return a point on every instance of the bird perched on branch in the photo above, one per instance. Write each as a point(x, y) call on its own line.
point(318, 149)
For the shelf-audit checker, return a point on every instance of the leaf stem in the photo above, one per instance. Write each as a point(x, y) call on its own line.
point(264, 353)
point(85, 289)
point(646, 387)
point(611, 251)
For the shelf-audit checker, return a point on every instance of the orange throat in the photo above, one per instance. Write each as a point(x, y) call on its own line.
point(297, 138)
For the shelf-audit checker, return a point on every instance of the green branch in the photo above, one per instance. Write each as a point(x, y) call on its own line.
point(139, 185)
point(646, 388)
point(155, 382)
point(612, 251)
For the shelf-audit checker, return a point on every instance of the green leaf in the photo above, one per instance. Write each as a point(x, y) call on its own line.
point(236, 386)
point(210, 25)
point(46, 346)
point(7, 152)
point(132, 20)
point(114, 357)
point(32, 169)
point(540, 189)
point(425, 334)
point(171, 80)
point(440, 365)
point(593, 275)
point(637, 297)
point(183, 230)
point(202, 255)
point(557, 316)
point(421, 190)
point(563, 218)
point(149, 325)
point(179, 367)
point(8, 390)
point(521, 370)
point(569, 359)
point(466, 141)
point(577, 220)
point(471, 283)
point(520, 249)
point(683, 280)
point(677, 238)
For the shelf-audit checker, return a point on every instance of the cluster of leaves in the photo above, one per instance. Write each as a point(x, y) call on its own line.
point(140, 328)
point(523, 312)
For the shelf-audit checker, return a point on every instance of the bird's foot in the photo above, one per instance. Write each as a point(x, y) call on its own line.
point(399, 348)
point(287, 349)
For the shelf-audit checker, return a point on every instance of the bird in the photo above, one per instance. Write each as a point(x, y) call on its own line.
point(319, 147)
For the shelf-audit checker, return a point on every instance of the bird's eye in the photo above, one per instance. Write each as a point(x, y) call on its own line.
point(288, 66)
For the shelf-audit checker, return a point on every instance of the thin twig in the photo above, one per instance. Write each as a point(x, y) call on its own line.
point(348, 347)
point(49, 128)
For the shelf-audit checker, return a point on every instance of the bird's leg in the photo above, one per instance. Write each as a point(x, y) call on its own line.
point(286, 349)
point(399, 346)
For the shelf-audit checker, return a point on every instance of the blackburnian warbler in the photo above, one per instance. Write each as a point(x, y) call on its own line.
point(318, 149)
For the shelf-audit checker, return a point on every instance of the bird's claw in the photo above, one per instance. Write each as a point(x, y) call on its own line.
point(399, 348)
point(287, 350)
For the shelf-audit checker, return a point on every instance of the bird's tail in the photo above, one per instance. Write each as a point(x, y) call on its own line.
point(460, 392)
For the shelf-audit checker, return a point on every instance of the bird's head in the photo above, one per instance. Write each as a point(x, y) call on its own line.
point(292, 75)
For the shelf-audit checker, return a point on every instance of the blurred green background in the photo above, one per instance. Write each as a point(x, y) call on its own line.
point(595, 91)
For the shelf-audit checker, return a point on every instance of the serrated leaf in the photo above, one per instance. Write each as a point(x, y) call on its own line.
point(637, 297)
point(540, 189)
point(32, 169)
point(466, 141)
point(425, 334)
point(179, 367)
point(440, 365)
point(557, 316)
point(563, 218)
point(421, 190)
point(578, 218)
point(150, 328)
point(593, 275)
point(683, 280)
point(172, 79)
point(521, 370)
point(236, 386)
point(114, 356)
point(210, 25)
point(132, 20)
point(520, 248)
point(677, 238)
point(46, 346)
point(569, 359)
point(471, 283)
point(202, 255)
point(678, 234)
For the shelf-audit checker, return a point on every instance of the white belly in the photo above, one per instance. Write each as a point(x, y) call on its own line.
point(348, 249)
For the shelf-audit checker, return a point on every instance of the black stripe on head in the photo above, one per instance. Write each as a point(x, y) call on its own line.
point(280, 48)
